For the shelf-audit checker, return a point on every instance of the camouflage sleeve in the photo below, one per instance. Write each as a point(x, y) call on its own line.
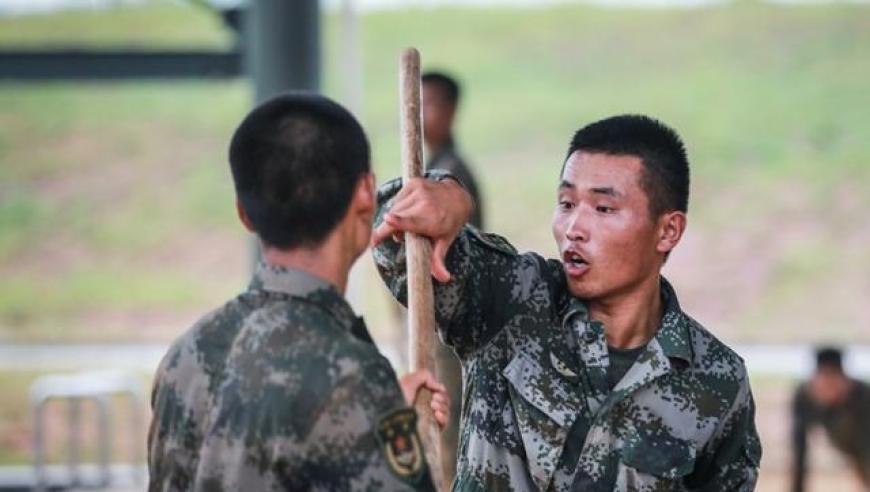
point(155, 387)
point(171, 457)
point(730, 463)
point(465, 307)
point(153, 441)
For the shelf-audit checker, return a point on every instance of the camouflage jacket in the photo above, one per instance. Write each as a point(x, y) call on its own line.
point(538, 412)
point(281, 389)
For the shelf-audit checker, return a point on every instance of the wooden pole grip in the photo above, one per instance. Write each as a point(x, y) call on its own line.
point(421, 314)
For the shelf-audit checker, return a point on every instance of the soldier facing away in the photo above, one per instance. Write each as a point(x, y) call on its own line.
point(282, 387)
point(582, 373)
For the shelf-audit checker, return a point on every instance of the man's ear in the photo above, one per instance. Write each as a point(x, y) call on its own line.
point(672, 225)
point(243, 216)
point(364, 194)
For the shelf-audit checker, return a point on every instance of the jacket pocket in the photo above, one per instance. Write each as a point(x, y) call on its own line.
point(542, 388)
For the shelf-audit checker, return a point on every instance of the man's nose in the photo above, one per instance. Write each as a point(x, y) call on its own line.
point(576, 230)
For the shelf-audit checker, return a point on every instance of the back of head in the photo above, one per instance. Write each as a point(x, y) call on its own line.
point(666, 166)
point(830, 358)
point(295, 161)
point(448, 85)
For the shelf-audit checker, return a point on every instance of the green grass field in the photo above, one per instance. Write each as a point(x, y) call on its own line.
point(116, 208)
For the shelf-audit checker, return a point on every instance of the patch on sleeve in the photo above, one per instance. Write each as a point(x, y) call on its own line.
point(400, 444)
point(492, 241)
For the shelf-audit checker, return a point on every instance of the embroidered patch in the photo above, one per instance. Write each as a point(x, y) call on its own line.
point(397, 432)
point(563, 368)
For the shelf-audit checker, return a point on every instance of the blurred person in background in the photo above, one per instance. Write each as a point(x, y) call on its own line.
point(440, 102)
point(282, 387)
point(841, 405)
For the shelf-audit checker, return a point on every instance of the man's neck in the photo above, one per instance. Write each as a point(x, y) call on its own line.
point(631, 319)
point(324, 261)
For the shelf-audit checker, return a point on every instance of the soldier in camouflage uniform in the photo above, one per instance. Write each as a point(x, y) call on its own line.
point(282, 388)
point(583, 373)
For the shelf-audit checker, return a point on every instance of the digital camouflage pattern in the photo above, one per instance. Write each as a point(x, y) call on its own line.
point(281, 389)
point(538, 412)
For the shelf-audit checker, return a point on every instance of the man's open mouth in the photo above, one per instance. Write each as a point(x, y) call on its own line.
point(575, 264)
point(574, 258)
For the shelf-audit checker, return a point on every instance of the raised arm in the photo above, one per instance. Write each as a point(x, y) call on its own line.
point(437, 208)
point(472, 270)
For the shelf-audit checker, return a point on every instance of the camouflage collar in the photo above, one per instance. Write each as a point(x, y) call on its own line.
point(310, 288)
point(573, 305)
point(673, 334)
point(286, 280)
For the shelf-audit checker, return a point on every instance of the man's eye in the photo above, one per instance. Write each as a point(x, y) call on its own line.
point(566, 205)
point(605, 210)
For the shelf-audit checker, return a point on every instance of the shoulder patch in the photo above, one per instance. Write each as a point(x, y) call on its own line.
point(491, 241)
point(400, 444)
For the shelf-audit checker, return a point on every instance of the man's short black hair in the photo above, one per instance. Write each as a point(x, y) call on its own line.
point(666, 166)
point(295, 161)
point(449, 86)
point(831, 357)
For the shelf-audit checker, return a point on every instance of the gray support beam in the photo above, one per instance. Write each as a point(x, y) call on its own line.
point(283, 46)
point(117, 64)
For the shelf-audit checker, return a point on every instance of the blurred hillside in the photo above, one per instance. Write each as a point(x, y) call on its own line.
point(117, 219)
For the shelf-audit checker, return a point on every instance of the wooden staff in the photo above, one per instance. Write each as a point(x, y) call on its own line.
point(418, 250)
